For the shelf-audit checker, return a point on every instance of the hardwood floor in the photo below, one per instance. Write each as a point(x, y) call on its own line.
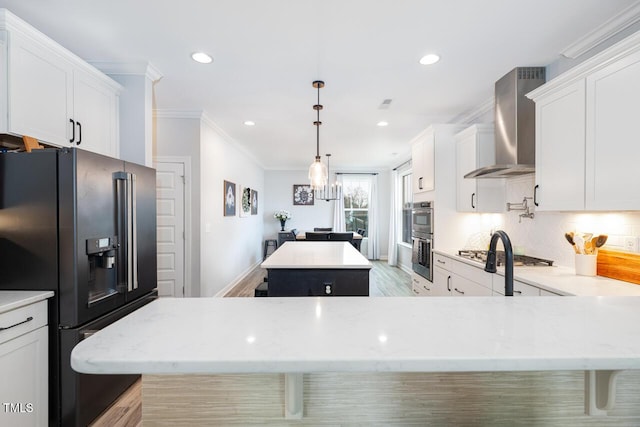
point(384, 281)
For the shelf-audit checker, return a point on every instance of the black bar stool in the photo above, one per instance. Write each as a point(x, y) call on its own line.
point(269, 247)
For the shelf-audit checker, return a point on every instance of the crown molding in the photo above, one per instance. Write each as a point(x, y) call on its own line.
point(137, 68)
point(622, 49)
point(619, 22)
point(178, 114)
point(474, 115)
point(206, 120)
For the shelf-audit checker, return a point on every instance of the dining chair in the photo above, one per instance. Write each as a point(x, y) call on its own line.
point(341, 237)
point(322, 229)
point(316, 236)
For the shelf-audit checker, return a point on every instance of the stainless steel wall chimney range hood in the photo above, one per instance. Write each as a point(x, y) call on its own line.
point(515, 125)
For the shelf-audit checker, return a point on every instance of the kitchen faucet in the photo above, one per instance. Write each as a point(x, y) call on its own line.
point(508, 255)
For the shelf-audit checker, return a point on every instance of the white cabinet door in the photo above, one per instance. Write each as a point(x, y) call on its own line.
point(441, 282)
point(475, 148)
point(560, 148)
point(24, 386)
point(466, 190)
point(40, 87)
point(423, 162)
point(95, 108)
point(613, 137)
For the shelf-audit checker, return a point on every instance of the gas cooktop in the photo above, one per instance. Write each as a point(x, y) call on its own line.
point(518, 260)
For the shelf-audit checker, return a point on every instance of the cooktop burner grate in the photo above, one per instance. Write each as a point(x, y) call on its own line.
point(518, 260)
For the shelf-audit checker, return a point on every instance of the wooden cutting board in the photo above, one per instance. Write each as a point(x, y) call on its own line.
point(619, 265)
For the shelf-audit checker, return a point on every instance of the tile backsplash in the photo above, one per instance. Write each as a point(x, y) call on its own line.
point(543, 236)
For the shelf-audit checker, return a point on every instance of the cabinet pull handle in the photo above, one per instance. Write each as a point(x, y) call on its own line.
point(73, 131)
point(425, 286)
point(79, 133)
point(535, 195)
point(473, 195)
point(29, 319)
point(420, 183)
point(517, 292)
point(441, 261)
point(448, 283)
point(459, 291)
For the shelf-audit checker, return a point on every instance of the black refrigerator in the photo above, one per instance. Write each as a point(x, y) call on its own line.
point(83, 225)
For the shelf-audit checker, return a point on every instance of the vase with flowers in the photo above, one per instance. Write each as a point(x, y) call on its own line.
point(283, 216)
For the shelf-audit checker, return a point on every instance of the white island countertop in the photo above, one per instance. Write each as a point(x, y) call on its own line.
point(401, 334)
point(334, 255)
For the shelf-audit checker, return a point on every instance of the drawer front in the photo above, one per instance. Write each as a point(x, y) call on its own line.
point(22, 320)
point(475, 274)
point(442, 261)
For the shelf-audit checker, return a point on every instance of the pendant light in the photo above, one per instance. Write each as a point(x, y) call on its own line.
point(318, 171)
point(329, 191)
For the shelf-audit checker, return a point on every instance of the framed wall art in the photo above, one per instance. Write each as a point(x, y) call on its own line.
point(245, 202)
point(229, 199)
point(254, 202)
point(302, 195)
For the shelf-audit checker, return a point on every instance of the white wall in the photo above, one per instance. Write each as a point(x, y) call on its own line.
point(279, 196)
point(230, 246)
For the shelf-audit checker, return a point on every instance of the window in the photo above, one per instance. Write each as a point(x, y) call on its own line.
point(407, 201)
point(356, 191)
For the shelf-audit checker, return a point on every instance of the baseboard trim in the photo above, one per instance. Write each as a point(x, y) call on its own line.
point(237, 280)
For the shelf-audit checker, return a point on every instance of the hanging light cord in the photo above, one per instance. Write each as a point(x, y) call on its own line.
point(318, 84)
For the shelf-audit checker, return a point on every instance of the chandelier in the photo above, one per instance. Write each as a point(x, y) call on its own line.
point(318, 172)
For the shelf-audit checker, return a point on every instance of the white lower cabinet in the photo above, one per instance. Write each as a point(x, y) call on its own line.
point(458, 278)
point(420, 286)
point(452, 277)
point(24, 366)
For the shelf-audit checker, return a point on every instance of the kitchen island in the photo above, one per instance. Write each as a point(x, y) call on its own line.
point(482, 360)
point(317, 269)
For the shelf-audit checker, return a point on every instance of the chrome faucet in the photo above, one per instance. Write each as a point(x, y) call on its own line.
point(508, 255)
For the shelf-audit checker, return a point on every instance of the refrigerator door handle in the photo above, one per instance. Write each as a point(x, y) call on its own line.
point(133, 257)
point(125, 226)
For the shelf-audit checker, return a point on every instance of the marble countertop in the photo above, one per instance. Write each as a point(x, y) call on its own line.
point(561, 280)
point(401, 334)
point(10, 300)
point(317, 255)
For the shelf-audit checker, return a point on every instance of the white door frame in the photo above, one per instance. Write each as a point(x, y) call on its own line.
point(186, 162)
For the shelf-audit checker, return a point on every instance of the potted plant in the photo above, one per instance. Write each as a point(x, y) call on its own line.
point(283, 216)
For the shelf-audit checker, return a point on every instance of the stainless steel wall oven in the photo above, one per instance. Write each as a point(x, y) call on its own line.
point(422, 237)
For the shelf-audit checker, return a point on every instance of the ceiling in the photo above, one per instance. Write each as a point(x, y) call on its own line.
point(267, 53)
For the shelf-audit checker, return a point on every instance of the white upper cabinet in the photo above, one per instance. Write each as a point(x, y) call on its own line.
point(423, 162)
point(52, 95)
point(587, 139)
point(560, 131)
point(475, 148)
point(95, 114)
point(613, 137)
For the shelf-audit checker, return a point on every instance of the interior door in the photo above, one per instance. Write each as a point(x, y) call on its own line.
point(170, 216)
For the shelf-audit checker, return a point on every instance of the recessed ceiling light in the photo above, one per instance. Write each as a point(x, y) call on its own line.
point(430, 59)
point(250, 123)
point(382, 124)
point(201, 57)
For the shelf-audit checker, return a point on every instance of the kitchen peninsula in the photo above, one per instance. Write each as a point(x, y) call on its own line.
point(317, 269)
point(481, 360)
